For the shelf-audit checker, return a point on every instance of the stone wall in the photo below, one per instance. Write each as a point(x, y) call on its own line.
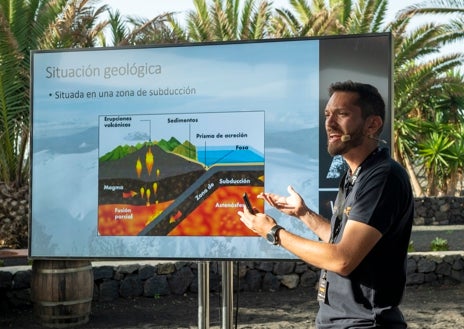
point(14, 212)
point(439, 211)
point(156, 279)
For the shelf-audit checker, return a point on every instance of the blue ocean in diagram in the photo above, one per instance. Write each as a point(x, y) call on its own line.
point(228, 154)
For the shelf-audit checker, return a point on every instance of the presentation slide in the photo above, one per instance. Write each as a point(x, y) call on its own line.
point(146, 152)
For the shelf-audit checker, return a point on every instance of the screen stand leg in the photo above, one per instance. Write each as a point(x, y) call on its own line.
point(203, 295)
point(227, 294)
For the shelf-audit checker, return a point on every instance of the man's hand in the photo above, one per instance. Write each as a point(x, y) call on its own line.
point(292, 205)
point(259, 223)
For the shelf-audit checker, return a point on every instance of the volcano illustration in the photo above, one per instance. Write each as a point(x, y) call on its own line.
point(163, 170)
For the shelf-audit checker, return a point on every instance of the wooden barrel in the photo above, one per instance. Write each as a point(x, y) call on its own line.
point(61, 292)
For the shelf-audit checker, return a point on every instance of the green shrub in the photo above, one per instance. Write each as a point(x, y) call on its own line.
point(411, 246)
point(439, 244)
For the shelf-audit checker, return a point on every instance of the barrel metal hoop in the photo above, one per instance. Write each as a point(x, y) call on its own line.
point(70, 302)
point(64, 270)
point(63, 321)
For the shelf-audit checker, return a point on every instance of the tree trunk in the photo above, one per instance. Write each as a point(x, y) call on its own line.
point(452, 183)
point(416, 187)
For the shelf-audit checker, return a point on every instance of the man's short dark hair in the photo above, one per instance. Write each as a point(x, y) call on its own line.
point(370, 101)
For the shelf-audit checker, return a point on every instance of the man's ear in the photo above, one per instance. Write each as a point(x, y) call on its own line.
point(373, 124)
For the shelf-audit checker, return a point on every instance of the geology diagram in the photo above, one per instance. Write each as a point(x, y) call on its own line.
point(165, 187)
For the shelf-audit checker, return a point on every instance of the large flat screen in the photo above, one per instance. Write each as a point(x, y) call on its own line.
point(146, 152)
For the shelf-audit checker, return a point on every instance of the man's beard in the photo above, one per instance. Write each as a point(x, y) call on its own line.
point(340, 148)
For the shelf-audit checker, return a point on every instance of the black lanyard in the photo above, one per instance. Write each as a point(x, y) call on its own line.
point(343, 192)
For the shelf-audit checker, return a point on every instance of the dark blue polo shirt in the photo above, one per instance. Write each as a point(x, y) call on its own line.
point(381, 197)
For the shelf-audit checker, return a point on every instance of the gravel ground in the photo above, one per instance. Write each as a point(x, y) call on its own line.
point(424, 307)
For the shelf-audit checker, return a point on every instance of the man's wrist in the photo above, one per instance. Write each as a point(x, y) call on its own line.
point(273, 235)
point(306, 213)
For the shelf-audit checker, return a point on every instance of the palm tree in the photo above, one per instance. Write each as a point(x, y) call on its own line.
point(438, 99)
point(328, 18)
point(455, 177)
point(225, 20)
point(22, 23)
point(435, 156)
point(405, 148)
point(76, 26)
point(303, 20)
point(27, 25)
point(139, 31)
point(417, 62)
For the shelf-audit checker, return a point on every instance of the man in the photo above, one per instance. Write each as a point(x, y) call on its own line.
point(362, 251)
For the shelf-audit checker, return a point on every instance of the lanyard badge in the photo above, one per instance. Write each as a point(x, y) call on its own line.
point(322, 291)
